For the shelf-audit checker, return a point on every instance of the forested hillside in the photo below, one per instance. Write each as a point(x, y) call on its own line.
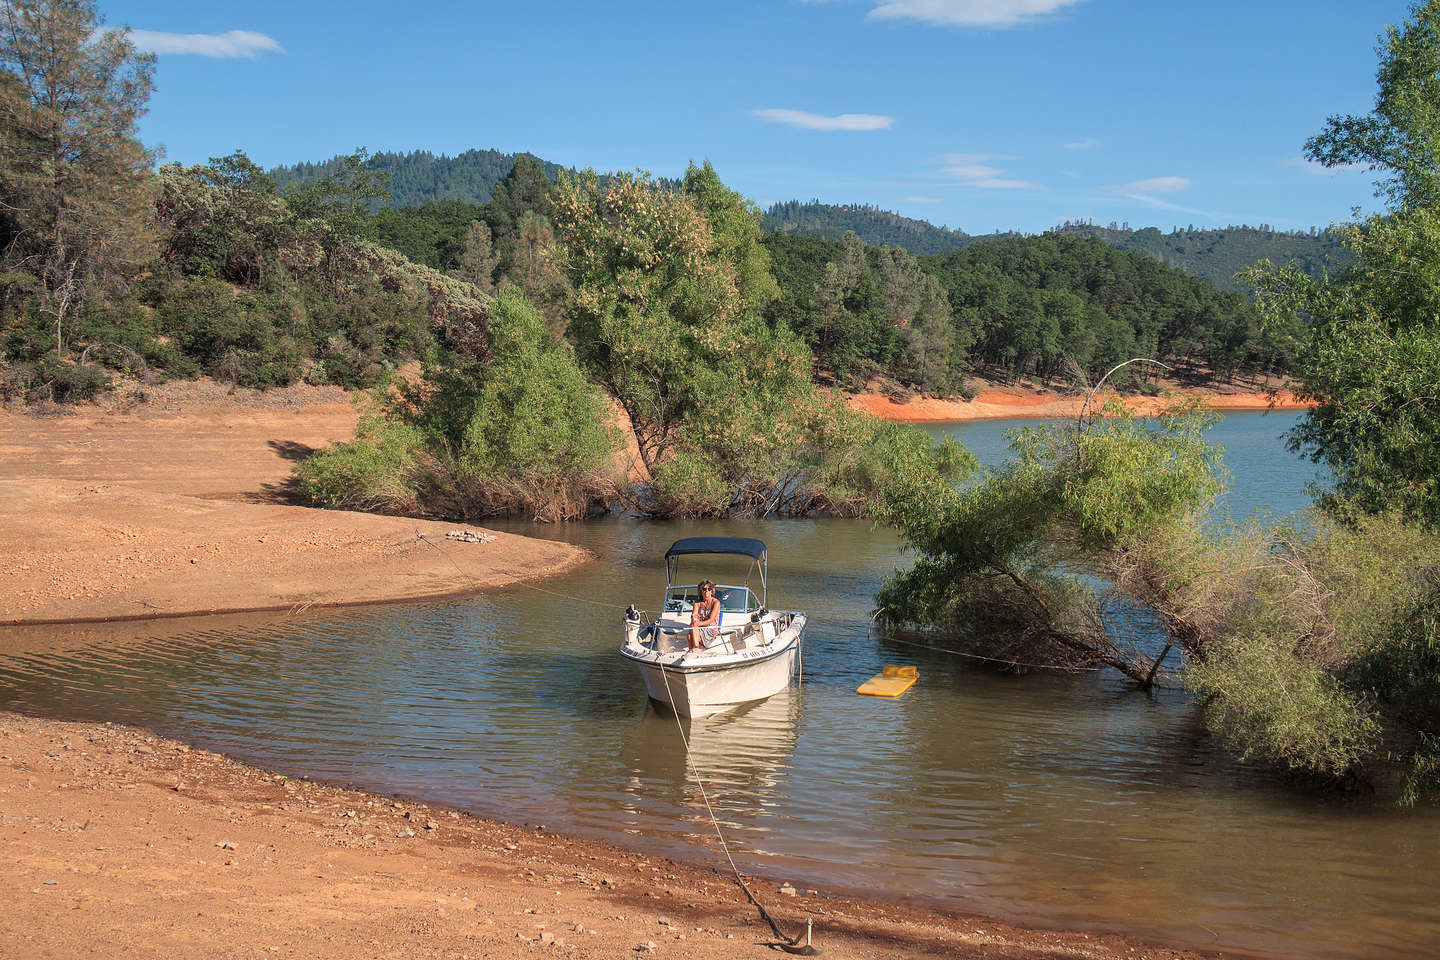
point(1214, 255)
point(1020, 306)
point(469, 178)
point(1218, 255)
point(421, 176)
point(876, 227)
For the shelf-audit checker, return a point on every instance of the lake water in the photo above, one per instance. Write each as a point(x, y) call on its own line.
point(1065, 800)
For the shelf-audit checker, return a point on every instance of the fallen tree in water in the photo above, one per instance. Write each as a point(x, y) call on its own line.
point(1308, 644)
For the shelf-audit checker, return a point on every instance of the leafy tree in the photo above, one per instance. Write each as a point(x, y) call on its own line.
point(226, 220)
point(1003, 563)
point(72, 173)
point(1401, 136)
point(724, 412)
point(519, 432)
point(1374, 354)
point(657, 312)
point(735, 226)
point(916, 303)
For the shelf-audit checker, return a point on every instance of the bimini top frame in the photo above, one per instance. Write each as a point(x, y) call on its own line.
point(736, 546)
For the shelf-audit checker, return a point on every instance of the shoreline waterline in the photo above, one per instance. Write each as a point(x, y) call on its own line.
point(287, 854)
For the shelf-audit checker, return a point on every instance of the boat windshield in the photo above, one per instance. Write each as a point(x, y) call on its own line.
point(681, 598)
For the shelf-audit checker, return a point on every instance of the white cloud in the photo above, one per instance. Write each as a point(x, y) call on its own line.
point(1155, 185)
point(921, 199)
point(1089, 143)
point(1320, 170)
point(815, 121)
point(1143, 191)
point(973, 170)
point(968, 13)
point(235, 44)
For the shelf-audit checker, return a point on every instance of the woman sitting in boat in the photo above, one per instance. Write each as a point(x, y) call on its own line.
point(704, 616)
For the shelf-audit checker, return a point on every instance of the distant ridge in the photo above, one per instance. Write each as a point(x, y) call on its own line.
point(877, 227)
point(1217, 255)
point(1214, 255)
point(422, 177)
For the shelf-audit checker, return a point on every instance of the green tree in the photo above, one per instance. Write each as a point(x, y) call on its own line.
point(1401, 135)
point(73, 176)
point(1374, 353)
point(478, 260)
point(657, 312)
point(535, 270)
point(525, 189)
point(724, 412)
point(519, 432)
point(735, 226)
point(916, 303)
point(1008, 564)
point(226, 220)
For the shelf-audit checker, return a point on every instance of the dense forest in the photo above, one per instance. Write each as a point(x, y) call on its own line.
point(1219, 254)
point(421, 176)
point(876, 227)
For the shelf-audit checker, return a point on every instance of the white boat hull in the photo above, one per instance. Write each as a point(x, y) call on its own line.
point(707, 682)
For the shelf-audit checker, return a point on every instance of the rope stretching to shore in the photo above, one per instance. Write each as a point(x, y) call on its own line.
point(791, 944)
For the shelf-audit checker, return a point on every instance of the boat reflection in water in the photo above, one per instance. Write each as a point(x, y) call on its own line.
point(742, 755)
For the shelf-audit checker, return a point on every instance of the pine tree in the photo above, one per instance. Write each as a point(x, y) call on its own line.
point(477, 260)
point(73, 176)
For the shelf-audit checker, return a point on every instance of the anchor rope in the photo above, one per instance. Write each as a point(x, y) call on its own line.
point(689, 757)
point(714, 820)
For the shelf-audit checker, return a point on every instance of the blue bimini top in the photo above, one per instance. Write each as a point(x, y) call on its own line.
point(743, 546)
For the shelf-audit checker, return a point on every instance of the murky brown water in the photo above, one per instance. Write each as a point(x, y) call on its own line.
point(1064, 800)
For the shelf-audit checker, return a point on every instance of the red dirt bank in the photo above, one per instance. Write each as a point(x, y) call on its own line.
point(1014, 402)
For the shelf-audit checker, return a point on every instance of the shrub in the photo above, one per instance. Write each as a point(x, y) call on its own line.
point(1268, 700)
point(66, 382)
point(522, 432)
point(375, 471)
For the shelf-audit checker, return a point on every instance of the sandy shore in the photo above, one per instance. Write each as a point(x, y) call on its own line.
point(1015, 402)
point(113, 841)
point(180, 505)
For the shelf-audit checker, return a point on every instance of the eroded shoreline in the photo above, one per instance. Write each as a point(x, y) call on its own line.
point(1008, 403)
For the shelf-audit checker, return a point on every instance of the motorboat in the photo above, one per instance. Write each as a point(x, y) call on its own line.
point(751, 655)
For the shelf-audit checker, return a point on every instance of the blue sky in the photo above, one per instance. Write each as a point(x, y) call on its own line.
point(976, 114)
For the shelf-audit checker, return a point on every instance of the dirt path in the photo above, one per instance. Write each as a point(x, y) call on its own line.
point(178, 506)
